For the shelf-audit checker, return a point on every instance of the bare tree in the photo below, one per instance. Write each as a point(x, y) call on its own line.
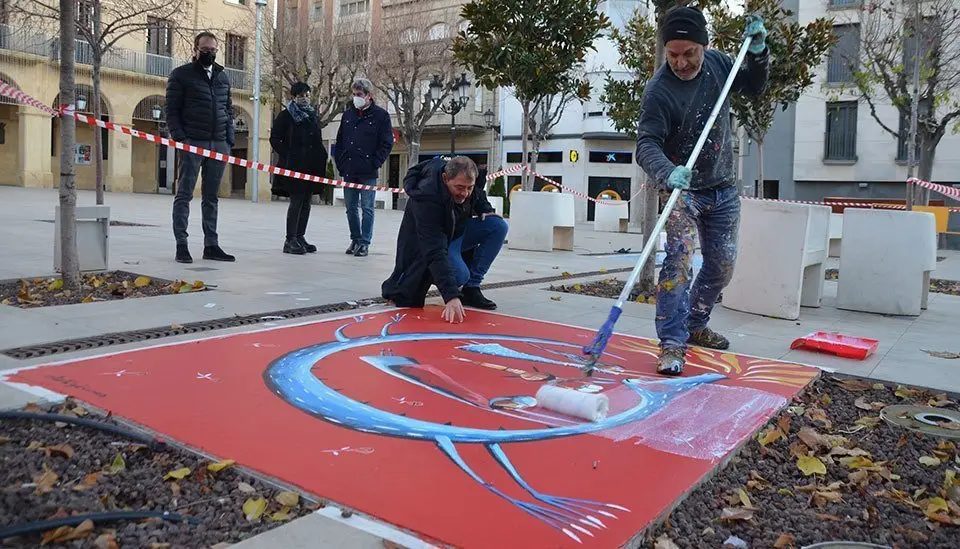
point(882, 70)
point(69, 256)
point(406, 50)
point(547, 110)
point(102, 25)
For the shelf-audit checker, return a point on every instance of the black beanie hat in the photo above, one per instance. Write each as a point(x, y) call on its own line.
point(685, 23)
point(298, 88)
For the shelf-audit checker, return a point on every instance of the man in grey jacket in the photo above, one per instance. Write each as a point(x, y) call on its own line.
point(677, 103)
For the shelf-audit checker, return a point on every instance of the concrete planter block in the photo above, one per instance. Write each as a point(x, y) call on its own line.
point(610, 216)
point(836, 232)
point(497, 203)
point(886, 258)
point(383, 200)
point(781, 259)
point(541, 221)
point(93, 232)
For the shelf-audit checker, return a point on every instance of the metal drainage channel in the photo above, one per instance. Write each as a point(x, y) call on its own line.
point(133, 336)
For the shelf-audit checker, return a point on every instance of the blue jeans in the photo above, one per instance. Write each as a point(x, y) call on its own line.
point(715, 215)
point(485, 238)
point(357, 200)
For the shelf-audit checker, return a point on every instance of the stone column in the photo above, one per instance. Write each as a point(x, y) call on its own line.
point(33, 169)
point(118, 176)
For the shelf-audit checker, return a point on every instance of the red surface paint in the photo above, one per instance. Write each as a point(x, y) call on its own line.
point(211, 394)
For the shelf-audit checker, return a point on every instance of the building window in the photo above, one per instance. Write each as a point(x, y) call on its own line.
point(478, 99)
point(841, 135)
point(438, 31)
point(844, 54)
point(353, 53)
point(353, 7)
point(844, 3)
point(159, 36)
point(544, 157)
point(85, 15)
point(929, 35)
point(316, 13)
point(611, 157)
point(236, 55)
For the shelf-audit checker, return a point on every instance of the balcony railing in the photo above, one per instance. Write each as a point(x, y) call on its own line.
point(20, 40)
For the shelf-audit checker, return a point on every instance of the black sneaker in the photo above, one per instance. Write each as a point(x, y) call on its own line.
point(353, 248)
point(362, 250)
point(671, 361)
point(293, 246)
point(214, 253)
point(705, 337)
point(471, 297)
point(307, 247)
point(183, 254)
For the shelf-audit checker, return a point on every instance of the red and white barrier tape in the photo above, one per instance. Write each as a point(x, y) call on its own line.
point(580, 194)
point(952, 192)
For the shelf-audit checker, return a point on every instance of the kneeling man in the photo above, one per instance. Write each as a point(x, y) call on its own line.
point(447, 214)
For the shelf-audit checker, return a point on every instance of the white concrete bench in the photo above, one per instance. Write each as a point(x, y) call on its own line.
point(611, 216)
point(383, 199)
point(781, 259)
point(885, 261)
point(497, 203)
point(541, 221)
point(836, 232)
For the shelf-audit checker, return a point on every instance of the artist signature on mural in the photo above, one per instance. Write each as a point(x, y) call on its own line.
point(365, 450)
point(79, 386)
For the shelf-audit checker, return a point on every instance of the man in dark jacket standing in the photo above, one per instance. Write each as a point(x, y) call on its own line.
point(364, 142)
point(447, 214)
point(677, 102)
point(200, 113)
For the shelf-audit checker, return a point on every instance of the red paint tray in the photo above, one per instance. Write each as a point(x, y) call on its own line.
point(837, 344)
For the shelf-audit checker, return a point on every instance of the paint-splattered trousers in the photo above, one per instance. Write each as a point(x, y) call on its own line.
point(683, 307)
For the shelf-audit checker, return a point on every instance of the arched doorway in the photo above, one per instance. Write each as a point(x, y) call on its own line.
point(238, 175)
point(154, 165)
point(9, 136)
point(84, 159)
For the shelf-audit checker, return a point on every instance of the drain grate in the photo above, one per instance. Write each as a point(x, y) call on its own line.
point(133, 336)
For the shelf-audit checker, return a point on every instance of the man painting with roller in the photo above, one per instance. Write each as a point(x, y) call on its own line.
point(677, 103)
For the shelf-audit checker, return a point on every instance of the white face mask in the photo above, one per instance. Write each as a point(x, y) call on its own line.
point(359, 102)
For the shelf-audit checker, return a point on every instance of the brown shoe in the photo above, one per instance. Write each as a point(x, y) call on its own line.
point(671, 361)
point(705, 337)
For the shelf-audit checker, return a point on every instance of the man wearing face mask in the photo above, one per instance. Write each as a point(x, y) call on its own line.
point(199, 112)
point(447, 214)
point(364, 142)
point(677, 103)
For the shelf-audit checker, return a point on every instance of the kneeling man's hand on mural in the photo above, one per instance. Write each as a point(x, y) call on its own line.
point(453, 312)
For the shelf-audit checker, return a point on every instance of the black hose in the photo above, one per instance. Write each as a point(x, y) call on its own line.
point(96, 518)
point(107, 427)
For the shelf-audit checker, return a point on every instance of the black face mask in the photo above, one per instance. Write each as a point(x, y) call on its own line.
point(206, 58)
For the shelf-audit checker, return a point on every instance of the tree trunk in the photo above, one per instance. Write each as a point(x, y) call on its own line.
point(534, 156)
point(759, 190)
point(928, 150)
point(97, 134)
point(413, 152)
point(69, 260)
point(525, 179)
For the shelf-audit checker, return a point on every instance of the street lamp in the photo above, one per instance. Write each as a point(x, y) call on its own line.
point(81, 103)
point(488, 120)
point(157, 112)
point(455, 105)
point(255, 145)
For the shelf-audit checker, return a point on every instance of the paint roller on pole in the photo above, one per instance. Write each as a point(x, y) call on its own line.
point(595, 349)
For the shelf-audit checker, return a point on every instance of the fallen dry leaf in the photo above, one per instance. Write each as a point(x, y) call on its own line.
point(106, 541)
point(771, 435)
point(869, 406)
point(68, 533)
point(35, 445)
point(142, 281)
point(253, 508)
point(855, 385)
point(930, 461)
point(32, 407)
point(178, 474)
point(798, 449)
point(813, 439)
point(45, 481)
point(859, 476)
point(736, 513)
point(246, 488)
point(55, 285)
point(555, 298)
point(4, 440)
point(783, 541)
point(664, 542)
point(810, 465)
point(869, 421)
point(119, 465)
point(942, 354)
point(785, 492)
point(220, 465)
point(744, 498)
point(856, 462)
point(156, 545)
point(905, 393)
point(281, 515)
point(287, 499)
point(822, 516)
point(62, 449)
point(817, 414)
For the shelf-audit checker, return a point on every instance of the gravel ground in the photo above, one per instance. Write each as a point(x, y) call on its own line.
point(937, 285)
point(48, 291)
point(51, 470)
point(866, 480)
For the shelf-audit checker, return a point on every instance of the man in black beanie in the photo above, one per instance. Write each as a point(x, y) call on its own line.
point(677, 103)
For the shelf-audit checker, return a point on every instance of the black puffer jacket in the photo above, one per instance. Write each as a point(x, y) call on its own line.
point(198, 107)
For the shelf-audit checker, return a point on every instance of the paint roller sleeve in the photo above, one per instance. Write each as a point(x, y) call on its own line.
point(591, 407)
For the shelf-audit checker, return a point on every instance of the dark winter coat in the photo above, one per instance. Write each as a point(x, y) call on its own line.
point(429, 225)
point(198, 107)
point(674, 112)
point(364, 142)
point(300, 147)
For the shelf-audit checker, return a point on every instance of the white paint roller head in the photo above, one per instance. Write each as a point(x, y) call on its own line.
point(591, 407)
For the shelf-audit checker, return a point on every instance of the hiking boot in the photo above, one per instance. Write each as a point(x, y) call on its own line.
point(705, 337)
point(671, 361)
point(471, 297)
point(183, 254)
point(293, 246)
point(353, 248)
point(362, 250)
point(214, 253)
point(307, 247)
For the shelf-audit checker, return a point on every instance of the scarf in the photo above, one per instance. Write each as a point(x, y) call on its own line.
point(299, 112)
